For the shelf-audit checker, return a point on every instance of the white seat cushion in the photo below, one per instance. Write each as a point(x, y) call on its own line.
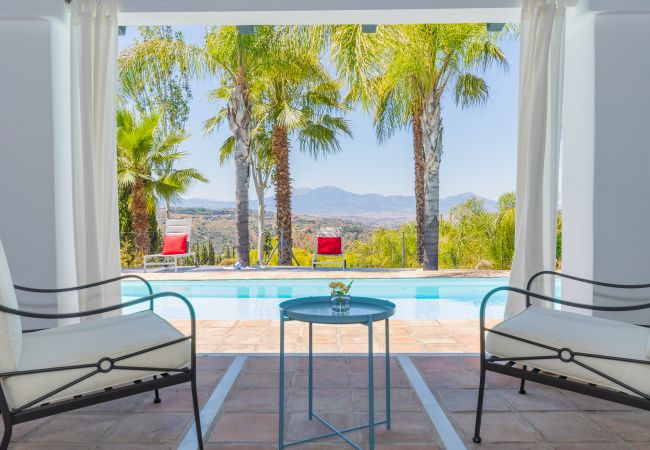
point(88, 342)
point(578, 333)
point(11, 338)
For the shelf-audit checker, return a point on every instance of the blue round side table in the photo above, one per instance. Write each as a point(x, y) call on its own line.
point(313, 310)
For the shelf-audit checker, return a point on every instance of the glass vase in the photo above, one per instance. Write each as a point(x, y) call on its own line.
point(340, 304)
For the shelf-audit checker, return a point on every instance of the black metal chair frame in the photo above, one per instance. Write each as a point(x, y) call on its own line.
point(40, 407)
point(507, 365)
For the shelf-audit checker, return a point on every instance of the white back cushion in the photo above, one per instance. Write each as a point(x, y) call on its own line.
point(178, 226)
point(11, 330)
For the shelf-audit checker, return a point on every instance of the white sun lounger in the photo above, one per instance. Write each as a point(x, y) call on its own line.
point(173, 227)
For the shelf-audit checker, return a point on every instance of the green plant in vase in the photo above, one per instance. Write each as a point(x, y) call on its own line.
point(340, 297)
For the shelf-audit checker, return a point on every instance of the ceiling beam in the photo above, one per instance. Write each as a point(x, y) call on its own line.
point(280, 12)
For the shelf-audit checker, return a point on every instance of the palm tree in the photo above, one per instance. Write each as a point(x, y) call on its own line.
point(262, 168)
point(143, 164)
point(301, 101)
point(404, 87)
point(238, 60)
point(154, 76)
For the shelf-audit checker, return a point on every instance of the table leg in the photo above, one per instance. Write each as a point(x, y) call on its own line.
point(311, 374)
point(387, 379)
point(371, 390)
point(281, 427)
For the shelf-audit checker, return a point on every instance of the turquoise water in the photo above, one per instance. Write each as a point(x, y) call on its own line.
point(416, 298)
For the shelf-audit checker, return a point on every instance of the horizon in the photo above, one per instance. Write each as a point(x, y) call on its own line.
point(458, 194)
point(476, 142)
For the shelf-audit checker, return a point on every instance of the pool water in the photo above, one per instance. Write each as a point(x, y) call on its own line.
point(416, 298)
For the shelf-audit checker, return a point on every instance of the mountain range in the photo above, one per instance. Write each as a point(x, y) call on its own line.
point(330, 201)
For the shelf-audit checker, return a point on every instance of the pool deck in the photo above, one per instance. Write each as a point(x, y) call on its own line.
point(287, 273)
point(263, 336)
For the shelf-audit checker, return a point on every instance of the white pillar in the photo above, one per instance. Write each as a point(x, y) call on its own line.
point(606, 149)
point(35, 190)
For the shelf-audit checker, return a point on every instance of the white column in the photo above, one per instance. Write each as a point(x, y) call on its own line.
point(35, 196)
point(606, 151)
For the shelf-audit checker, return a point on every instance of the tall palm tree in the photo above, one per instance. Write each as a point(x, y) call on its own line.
point(299, 101)
point(405, 86)
point(262, 169)
point(143, 169)
point(238, 60)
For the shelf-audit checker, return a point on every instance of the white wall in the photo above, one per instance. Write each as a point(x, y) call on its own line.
point(606, 179)
point(35, 225)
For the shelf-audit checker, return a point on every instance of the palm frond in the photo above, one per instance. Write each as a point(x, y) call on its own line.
point(227, 150)
point(470, 90)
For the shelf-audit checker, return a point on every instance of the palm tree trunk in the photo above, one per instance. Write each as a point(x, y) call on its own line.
point(261, 175)
point(432, 151)
point(261, 210)
point(260, 229)
point(140, 219)
point(280, 144)
point(418, 157)
point(239, 120)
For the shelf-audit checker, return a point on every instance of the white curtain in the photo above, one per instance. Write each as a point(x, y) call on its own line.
point(93, 46)
point(538, 144)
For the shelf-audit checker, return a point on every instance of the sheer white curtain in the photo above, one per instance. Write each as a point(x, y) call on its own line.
point(538, 143)
point(93, 46)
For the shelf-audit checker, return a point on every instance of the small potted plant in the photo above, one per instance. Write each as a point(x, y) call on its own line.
point(340, 297)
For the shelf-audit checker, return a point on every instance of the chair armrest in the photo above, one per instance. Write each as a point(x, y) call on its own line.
point(94, 312)
point(581, 280)
point(585, 280)
point(85, 286)
point(557, 301)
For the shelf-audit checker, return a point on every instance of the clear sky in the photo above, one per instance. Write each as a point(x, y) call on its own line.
point(479, 144)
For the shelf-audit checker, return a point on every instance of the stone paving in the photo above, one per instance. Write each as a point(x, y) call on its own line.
point(406, 336)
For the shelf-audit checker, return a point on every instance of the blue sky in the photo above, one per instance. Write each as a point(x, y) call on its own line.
point(479, 144)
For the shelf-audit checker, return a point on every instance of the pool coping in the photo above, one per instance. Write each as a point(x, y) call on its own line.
point(301, 274)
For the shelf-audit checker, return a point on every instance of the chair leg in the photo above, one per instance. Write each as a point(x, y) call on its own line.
point(479, 407)
point(197, 415)
point(6, 437)
point(523, 381)
point(156, 398)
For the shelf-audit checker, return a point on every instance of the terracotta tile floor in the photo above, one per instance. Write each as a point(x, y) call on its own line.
point(129, 423)
point(406, 336)
point(544, 418)
point(249, 416)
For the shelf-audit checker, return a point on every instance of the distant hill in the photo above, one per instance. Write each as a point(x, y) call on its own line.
point(330, 201)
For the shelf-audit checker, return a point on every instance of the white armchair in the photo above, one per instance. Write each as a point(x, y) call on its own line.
point(60, 369)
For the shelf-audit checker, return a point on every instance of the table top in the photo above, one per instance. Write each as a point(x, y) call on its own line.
point(319, 310)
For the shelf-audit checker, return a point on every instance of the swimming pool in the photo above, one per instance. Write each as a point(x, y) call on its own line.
point(416, 298)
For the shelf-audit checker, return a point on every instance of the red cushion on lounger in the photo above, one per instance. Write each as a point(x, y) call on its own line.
point(329, 246)
point(175, 245)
